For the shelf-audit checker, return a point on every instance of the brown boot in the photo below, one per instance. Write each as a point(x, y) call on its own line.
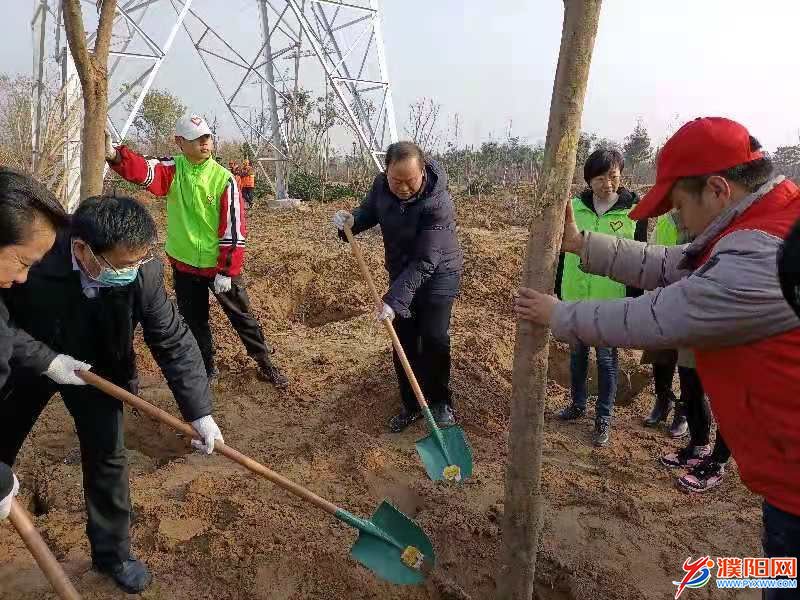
point(269, 372)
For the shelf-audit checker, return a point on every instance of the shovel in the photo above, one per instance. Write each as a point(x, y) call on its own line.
point(22, 522)
point(390, 544)
point(445, 453)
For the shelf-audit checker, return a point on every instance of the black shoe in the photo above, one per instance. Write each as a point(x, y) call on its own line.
point(571, 413)
point(269, 372)
point(443, 415)
point(399, 422)
point(660, 412)
point(130, 575)
point(602, 431)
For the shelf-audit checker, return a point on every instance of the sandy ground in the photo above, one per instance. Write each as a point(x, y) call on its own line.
point(615, 528)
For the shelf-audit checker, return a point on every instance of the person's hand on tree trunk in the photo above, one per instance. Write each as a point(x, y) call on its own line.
point(111, 151)
point(534, 306)
point(572, 240)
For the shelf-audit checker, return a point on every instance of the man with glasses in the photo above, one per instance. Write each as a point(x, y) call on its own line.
point(86, 298)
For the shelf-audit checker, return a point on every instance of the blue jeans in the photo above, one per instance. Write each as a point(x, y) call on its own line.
point(781, 538)
point(607, 365)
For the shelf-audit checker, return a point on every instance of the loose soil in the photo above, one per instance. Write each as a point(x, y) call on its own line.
point(615, 526)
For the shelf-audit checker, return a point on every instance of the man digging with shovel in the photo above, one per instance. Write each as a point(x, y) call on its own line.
point(86, 298)
point(411, 204)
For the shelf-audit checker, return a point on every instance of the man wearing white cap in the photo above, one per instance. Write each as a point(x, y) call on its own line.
point(206, 229)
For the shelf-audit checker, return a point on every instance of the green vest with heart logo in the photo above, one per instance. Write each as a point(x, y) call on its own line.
point(577, 285)
point(193, 211)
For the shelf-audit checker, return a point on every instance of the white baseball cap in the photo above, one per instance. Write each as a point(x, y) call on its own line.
point(192, 127)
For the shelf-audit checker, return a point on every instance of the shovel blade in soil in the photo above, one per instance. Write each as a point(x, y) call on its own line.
point(453, 462)
point(384, 557)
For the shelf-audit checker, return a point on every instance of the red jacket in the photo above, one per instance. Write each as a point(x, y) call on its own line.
point(156, 175)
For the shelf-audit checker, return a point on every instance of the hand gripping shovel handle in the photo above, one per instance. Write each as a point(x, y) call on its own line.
point(22, 522)
point(248, 463)
point(410, 553)
point(386, 323)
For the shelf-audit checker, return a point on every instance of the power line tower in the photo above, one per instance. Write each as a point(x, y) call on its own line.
point(269, 64)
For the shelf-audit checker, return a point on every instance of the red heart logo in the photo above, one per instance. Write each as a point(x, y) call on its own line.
point(196, 120)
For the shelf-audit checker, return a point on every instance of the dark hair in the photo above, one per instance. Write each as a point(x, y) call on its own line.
point(400, 151)
point(105, 222)
point(751, 175)
point(602, 161)
point(23, 199)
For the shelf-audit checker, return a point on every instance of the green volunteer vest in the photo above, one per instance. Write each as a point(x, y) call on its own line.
point(666, 231)
point(193, 212)
point(577, 285)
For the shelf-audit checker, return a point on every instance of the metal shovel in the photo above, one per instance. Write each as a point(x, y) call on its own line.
point(390, 544)
point(445, 453)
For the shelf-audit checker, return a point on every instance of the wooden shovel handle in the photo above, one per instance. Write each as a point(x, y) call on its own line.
point(248, 463)
point(23, 523)
point(398, 348)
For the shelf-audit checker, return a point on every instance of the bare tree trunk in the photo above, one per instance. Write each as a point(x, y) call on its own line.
point(524, 501)
point(92, 68)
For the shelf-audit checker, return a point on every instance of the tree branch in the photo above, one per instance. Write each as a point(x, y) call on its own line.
point(104, 29)
point(76, 37)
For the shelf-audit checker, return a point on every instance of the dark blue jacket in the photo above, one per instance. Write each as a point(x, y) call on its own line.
point(422, 253)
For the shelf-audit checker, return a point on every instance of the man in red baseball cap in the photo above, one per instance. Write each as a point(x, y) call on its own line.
point(719, 295)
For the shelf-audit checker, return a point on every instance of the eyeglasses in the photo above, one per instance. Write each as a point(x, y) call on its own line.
point(151, 255)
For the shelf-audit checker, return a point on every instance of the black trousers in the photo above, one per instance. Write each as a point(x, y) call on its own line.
point(663, 374)
point(698, 414)
point(694, 399)
point(247, 194)
point(425, 337)
point(191, 293)
point(100, 426)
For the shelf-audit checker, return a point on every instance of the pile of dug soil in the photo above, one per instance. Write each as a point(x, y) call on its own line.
point(615, 526)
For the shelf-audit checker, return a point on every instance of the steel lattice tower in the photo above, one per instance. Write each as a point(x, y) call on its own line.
point(286, 46)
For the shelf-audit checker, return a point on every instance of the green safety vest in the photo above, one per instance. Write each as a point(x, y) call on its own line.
point(576, 284)
point(193, 211)
point(666, 231)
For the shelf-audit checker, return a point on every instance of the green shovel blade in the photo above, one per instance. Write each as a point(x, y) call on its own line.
point(382, 541)
point(453, 456)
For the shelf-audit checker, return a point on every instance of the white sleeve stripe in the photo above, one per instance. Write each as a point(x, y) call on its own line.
point(151, 172)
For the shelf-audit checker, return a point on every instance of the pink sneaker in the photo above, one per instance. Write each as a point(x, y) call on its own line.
point(688, 457)
point(705, 476)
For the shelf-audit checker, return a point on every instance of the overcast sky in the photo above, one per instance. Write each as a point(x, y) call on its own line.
point(493, 62)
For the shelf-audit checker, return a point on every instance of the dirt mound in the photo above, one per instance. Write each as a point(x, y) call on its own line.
point(615, 528)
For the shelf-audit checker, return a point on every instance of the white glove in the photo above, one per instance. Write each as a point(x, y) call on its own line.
point(208, 431)
point(5, 503)
point(222, 284)
point(343, 219)
point(384, 314)
point(62, 370)
point(111, 151)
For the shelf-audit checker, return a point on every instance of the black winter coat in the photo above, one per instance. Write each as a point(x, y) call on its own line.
point(52, 308)
point(422, 253)
point(19, 347)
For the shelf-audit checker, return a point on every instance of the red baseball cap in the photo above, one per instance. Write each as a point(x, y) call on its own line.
point(703, 146)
